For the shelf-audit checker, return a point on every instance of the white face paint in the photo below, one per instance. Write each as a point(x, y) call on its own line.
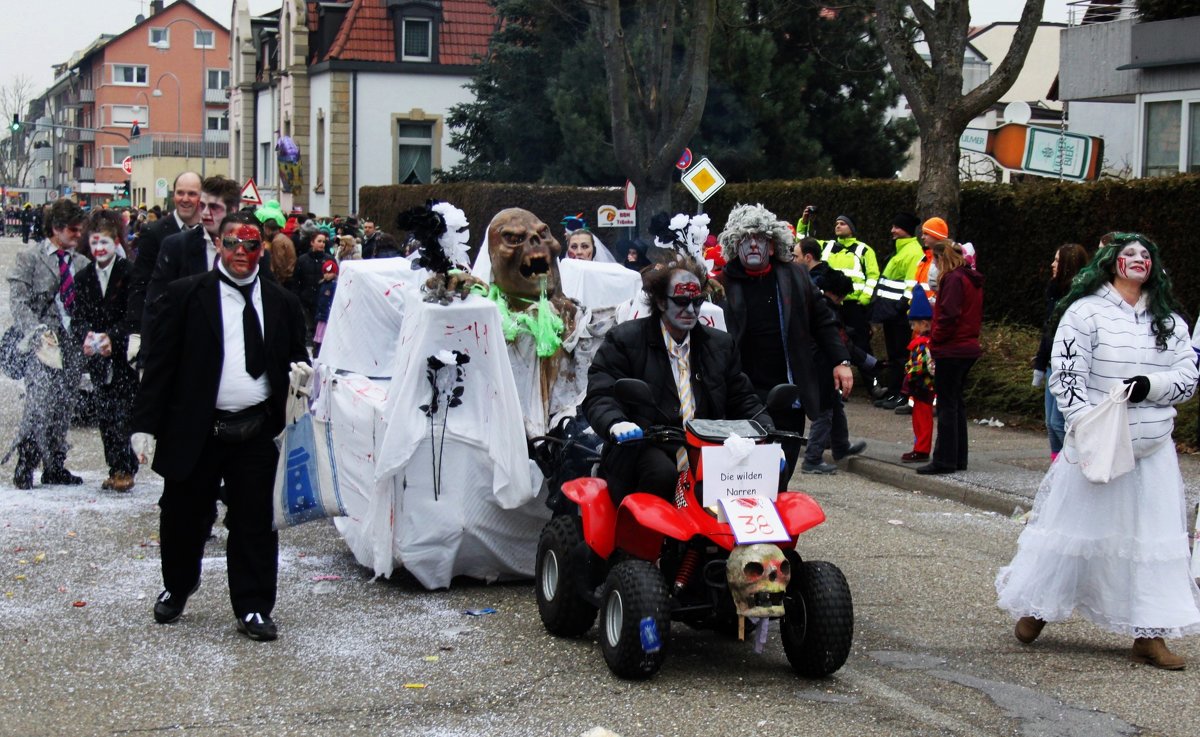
point(754, 250)
point(1133, 263)
point(104, 249)
point(681, 309)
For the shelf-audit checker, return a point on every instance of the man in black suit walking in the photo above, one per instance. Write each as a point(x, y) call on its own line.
point(185, 216)
point(212, 400)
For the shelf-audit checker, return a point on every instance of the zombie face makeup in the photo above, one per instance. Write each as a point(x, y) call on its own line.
point(1133, 263)
point(581, 246)
point(681, 308)
point(103, 247)
point(241, 249)
point(754, 250)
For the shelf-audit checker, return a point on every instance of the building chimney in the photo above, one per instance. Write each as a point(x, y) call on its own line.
point(156, 7)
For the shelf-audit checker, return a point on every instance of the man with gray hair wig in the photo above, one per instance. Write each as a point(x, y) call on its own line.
point(777, 317)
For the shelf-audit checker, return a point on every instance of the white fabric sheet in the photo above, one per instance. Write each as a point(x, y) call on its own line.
point(710, 314)
point(598, 285)
point(366, 315)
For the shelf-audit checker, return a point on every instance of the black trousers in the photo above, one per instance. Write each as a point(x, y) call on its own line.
point(896, 336)
point(950, 450)
point(856, 316)
point(252, 553)
point(115, 400)
point(792, 420)
point(640, 467)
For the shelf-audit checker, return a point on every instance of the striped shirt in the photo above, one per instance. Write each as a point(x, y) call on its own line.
point(1103, 340)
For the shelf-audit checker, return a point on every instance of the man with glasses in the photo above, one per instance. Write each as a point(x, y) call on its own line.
point(211, 402)
point(692, 371)
point(41, 290)
point(777, 317)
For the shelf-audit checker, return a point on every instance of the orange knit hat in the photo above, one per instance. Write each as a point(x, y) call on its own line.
point(936, 227)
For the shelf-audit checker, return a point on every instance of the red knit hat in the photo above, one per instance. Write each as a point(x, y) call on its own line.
point(330, 267)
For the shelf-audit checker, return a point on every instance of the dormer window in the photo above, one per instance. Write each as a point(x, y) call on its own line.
point(416, 29)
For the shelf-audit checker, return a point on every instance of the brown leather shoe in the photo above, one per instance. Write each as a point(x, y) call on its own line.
point(1153, 651)
point(120, 481)
point(1028, 629)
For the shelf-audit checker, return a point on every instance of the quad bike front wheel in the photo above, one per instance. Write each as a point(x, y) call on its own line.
point(564, 612)
point(818, 621)
point(636, 623)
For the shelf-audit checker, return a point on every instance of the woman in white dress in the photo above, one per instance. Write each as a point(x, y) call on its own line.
point(1116, 553)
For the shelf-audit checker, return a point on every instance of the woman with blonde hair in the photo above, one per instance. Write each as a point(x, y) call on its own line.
point(954, 345)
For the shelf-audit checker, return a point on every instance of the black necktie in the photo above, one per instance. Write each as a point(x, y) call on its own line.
point(256, 349)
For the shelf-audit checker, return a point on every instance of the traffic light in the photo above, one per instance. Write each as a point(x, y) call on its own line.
point(16, 123)
point(125, 189)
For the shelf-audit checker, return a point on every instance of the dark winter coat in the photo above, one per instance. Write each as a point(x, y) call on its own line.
point(957, 315)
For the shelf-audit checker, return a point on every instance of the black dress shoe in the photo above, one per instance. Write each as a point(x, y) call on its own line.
point(258, 627)
point(169, 607)
point(935, 469)
point(23, 479)
point(60, 477)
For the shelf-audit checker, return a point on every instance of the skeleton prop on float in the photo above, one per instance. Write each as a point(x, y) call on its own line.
point(551, 338)
point(758, 577)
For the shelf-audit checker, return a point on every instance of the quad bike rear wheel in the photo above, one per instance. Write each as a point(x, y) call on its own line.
point(634, 591)
point(818, 623)
point(564, 612)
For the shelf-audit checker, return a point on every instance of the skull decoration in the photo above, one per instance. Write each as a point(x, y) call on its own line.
point(758, 578)
point(524, 253)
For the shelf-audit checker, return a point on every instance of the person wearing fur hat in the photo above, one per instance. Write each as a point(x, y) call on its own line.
point(847, 254)
point(777, 317)
point(892, 299)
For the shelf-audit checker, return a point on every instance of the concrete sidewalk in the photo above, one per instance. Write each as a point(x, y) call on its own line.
point(1006, 464)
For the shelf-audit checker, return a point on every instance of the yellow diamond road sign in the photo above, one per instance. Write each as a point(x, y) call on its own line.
point(703, 180)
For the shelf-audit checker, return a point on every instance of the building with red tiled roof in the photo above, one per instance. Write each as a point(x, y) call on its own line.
point(380, 77)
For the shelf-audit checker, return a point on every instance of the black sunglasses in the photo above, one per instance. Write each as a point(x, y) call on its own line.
point(231, 243)
point(695, 302)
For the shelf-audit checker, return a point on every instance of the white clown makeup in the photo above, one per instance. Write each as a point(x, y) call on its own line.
point(754, 250)
point(1133, 263)
point(103, 248)
point(681, 309)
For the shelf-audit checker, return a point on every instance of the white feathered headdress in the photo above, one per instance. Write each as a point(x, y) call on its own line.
point(682, 234)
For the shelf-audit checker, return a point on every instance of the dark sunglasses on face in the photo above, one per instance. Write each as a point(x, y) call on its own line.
point(695, 302)
point(231, 243)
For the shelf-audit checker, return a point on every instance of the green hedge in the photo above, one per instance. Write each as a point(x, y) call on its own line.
point(1015, 228)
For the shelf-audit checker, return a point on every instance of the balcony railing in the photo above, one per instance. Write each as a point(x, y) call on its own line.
point(219, 97)
point(183, 146)
point(71, 135)
point(85, 174)
point(80, 97)
point(1085, 12)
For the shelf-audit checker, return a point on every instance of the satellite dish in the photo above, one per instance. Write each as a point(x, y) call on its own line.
point(1017, 111)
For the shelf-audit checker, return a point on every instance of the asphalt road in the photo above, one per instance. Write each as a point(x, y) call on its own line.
point(81, 654)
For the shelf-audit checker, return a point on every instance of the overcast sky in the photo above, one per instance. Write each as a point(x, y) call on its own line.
point(47, 32)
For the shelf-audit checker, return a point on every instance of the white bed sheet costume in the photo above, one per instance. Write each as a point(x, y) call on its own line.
point(1115, 553)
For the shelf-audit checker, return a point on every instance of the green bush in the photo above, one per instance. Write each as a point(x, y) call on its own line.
point(1015, 228)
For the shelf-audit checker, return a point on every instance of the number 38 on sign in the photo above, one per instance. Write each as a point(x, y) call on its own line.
point(754, 519)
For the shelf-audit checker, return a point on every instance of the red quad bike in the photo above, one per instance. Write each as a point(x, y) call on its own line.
point(649, 562)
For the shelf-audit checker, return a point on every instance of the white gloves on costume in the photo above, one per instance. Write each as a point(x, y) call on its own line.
point(135, 345)
point(1039, 377)
point(143, 446)
point(623, 432)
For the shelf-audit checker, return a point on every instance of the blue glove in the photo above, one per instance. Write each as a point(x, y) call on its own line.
point(623, 432)
point(782, 461)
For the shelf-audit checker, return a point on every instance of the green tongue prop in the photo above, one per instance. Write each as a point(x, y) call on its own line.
point(542, 322)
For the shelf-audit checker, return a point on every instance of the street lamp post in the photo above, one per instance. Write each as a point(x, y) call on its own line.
point(178, 99)
point(163, 45)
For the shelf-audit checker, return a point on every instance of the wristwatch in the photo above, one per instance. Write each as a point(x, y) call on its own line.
point(844, 363)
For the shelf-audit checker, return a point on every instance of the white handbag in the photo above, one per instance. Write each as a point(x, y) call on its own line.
point(1100, 439)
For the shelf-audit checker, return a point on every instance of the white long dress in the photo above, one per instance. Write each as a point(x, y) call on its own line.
point(1116, 553)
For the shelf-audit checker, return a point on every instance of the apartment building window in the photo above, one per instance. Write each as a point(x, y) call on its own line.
point(116, 154)
point(130, 74)
point(1193, 162)
point(217, 121)
point(415, 152)
point(205, 39)
point(1162, 137)
point(218, 79)
point(266, 164)
point(418, 40)
point(160, 38)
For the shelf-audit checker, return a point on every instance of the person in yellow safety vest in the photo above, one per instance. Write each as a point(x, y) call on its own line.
point(847, 254)
point(892, 298)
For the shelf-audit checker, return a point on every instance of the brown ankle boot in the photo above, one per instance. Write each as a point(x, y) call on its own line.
point(1153, 651)
point(1028, 629)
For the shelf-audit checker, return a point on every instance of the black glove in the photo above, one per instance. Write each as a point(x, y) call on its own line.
point(1141, 388)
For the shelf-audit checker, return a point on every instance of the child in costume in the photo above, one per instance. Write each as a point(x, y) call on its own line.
point(918, 377)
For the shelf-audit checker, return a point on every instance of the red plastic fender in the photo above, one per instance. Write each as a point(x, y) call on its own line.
point(599, 514)
point(798, 511)
point(644, 519)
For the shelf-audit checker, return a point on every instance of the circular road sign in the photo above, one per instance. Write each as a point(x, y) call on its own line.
point(127, 165)
point(685, 160)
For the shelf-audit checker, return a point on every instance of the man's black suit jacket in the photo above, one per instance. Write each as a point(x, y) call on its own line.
point(149, 242)
point(178, 396)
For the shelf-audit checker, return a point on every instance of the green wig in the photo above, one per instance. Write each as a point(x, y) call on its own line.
point(1160, 300)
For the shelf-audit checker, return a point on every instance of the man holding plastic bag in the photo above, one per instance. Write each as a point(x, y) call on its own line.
point(213, 398)
point(1107, 537)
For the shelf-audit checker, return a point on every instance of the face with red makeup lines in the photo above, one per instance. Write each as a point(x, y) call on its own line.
point(242, 259)
point(1133, 263)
